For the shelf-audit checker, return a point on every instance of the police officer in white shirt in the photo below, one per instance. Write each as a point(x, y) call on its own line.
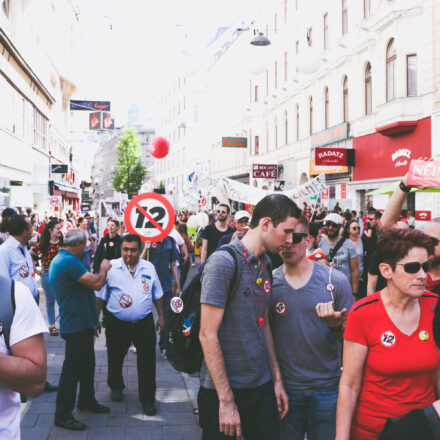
point(23, 365)
point(131, 288)
point(16, 261)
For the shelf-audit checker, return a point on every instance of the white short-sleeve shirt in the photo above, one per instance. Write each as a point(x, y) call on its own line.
point(131, 298)
point(178, 239)
point(27, 322)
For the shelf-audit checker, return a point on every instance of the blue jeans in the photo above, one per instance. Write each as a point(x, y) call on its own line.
point(50, 299)
point(311, 411)
point(86, 259)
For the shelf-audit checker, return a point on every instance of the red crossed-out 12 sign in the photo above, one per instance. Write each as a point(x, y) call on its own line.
point(150, 216)
point(202, 201)
point(55, 201)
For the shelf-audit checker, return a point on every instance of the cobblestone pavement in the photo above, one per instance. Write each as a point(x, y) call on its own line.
point(174, 419)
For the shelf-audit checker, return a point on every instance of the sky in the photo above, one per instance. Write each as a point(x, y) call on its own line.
point(130, 46)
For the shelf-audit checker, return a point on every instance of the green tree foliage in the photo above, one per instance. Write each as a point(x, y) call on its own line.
point(129, 173)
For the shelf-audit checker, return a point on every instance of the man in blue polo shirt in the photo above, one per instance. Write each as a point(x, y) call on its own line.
point(131, 288)
point(164, 255)
point(73, 287)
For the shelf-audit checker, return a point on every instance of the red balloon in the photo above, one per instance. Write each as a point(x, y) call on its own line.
point(159, 147)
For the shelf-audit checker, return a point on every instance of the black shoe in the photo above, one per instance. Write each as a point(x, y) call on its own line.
point(70, 423)
point(23, 398)
point(149, 408)
point(48, 388)
point(94, 407)
point(116, 396)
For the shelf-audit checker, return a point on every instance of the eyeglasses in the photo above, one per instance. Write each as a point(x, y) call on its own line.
point(331, 225)
point(415, 266)
point(298, 236)
point(221, 211)
point(371, 219)
point(355, 228)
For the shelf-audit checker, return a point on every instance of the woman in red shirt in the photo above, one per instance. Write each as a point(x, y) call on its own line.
point(390, 355)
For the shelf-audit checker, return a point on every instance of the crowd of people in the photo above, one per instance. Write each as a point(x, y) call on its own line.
point(319, 325)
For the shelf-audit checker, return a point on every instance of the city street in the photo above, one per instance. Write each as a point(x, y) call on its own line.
point(174, 418)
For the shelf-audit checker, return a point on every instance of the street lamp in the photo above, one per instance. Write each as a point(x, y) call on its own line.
point(260, 40)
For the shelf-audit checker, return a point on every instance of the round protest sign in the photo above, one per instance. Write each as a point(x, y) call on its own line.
point(150, 216)
point(55, 201)
point(202, 201)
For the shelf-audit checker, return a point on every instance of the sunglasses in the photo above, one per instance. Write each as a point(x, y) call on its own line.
point(415, 266)
point(331, 225)
point(221, 211)
point(356, 228)
point(298, 236)
point(371, 219)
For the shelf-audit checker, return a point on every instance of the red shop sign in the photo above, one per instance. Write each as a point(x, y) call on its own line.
point(379, 156)
point(325, 194)
point(343, 191)
point(424, 216)
point(330, 156)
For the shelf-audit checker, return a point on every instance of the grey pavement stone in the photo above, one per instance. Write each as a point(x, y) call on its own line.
point(38, 433)
point(106, 433)
point(171, 418)
point(188, 432)
point(63, 434)
point(144, 433)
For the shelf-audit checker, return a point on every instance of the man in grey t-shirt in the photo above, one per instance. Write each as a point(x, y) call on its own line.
point(308, 305)
point(345, 259)
point(237, 396)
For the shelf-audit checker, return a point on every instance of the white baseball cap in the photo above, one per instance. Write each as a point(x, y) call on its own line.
point(241, 214)
point(335, 218)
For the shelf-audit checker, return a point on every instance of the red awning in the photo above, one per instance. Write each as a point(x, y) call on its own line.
point(396, 128)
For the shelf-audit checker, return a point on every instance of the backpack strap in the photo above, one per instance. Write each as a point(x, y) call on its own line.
point(333, 251)
point(7, 307)
point(234, 282)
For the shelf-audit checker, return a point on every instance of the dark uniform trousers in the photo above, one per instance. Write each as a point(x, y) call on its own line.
point(78, 366)
point(120, 334)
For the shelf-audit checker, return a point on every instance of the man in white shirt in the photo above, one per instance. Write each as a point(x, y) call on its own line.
point(23, 366)
point(131, 289)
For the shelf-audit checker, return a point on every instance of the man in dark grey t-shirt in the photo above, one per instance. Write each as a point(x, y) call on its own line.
point(307, 314)
point(237, 396)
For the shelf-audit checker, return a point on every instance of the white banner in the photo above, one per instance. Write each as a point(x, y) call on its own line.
point(224, 189)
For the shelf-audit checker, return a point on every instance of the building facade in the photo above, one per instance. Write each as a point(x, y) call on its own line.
point(38, 49)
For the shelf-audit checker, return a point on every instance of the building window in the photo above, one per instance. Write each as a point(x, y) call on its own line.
point(368, 90)
point(344, 17)
point(275, 23)
point(256, 89)
point(391, 70)
point(267, 136)
point(310, 115)
point(297, 47)
point(257, 145)
point(411, 75)
point(286, 128)
point(267, 82)
point(326, 108)
point(275, 82)
point(345, 99)
point(40, 130)
point(275, 125)
point(325, 31)
point(285, 11)
point(310, 36)
point(285, 67)
point(297, 122)
point(367, 8)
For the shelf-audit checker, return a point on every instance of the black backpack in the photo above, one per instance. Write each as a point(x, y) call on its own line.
point(7, 307)
point(183, 348)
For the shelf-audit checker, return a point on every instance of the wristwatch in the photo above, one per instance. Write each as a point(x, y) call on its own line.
point(405, 188)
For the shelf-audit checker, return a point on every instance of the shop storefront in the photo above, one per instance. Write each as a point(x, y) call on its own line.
point(384, 157)
point(70, 195)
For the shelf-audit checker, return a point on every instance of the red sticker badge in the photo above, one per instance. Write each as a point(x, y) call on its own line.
point(267, 286)
point(280, 308)
point(125, 301)
point(23, 271)
point(388, 339)
point(146, 287)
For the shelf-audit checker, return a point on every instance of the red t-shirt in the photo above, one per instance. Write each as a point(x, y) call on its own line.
point(399, 373)
point(430, 283)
